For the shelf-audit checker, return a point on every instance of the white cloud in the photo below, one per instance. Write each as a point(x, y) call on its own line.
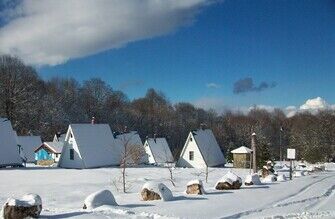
point(213, 85)
point(52, 32)
point(263, 107)
point(311, 105)
point(210, 103)
point(315, 104)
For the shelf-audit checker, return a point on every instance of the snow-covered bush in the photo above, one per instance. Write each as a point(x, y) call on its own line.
point(229, 181)
point(195, 187)
point(281, 178)
point(99, 198)
point(269, 179)
point(298, 173)
point(252, 179)
point(156, 191)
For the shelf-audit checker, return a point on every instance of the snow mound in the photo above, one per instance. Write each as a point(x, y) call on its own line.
point(281, 178)
point(26, 201)
point(99, 198)
point(162, 190)
point(330, 166)
point(298, 173)
point(269, 179)
point(252, 179)
point(196, 181)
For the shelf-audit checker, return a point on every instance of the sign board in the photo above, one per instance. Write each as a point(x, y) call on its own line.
point(291, 153)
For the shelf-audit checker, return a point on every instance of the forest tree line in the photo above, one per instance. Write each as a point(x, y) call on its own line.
point(39, 107)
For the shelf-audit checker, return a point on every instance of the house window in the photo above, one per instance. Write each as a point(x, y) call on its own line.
point(71, 154)
point(56, 155)
point(191, 139)
point(191, 155)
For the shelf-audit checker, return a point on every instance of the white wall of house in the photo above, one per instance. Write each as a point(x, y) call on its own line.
point(151, 159)
point(56, 157)
point(184, 160)
point(65, 161)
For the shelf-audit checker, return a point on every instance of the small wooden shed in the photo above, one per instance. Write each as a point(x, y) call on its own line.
point(241, 157)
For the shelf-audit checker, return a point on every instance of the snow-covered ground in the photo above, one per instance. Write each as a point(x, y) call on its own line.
point(63, 192)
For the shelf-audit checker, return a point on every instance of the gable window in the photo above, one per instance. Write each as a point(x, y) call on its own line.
point(191, 139)
point(191, 155)
point(71, 154)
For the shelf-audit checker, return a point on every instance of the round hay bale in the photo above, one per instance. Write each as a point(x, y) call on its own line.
point(229, 181)
point(29, 206)
point(195, 187)
point(156, 191)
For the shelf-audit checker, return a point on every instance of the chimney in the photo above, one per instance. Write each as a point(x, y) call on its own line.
point(155, 135)
point(253, 147)
point(93, 120)
point(202, 126)
point(125, 129)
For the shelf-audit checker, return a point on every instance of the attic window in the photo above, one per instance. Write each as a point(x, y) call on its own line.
point(191, 155)
point(71, 154)
point(71, 135)
point(191, 139)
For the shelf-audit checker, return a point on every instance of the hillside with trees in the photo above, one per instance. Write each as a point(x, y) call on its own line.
point(40, 107)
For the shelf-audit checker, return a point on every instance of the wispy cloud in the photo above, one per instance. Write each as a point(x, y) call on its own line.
point(246, 85)
point(52, 32)
point(213, 85)
point(130, 83)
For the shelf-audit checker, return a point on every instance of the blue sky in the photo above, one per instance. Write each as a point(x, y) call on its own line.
point(288, 43)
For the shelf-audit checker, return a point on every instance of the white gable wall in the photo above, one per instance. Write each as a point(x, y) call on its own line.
point(198, 161)
point(9, 154)
point(65, 161)
point(151, 159)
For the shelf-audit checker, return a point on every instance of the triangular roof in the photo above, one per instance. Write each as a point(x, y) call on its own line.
point(29, 144)
point(208, 147)
point(242, 150)
point(9, 153)
point(95, 142)
point(54, 147)
point(131, 138)
point(160, 150)
point(59, 137)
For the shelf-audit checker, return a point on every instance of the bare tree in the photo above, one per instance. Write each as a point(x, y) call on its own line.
point(131, 154)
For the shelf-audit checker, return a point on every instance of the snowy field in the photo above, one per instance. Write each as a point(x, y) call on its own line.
point(63, 192)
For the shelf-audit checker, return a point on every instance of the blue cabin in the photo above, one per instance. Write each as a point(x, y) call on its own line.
point(49, 151)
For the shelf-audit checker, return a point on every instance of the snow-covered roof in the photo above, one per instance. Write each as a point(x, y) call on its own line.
point(29, 144)
point(160, 150)
point(56, 147)
point(96, 144)
point(59, 137)
point(131, 139)
point(242, 150)
point(208, 147)
point(9, 153)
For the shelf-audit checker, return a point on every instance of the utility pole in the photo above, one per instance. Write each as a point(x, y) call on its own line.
point(253, 147)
